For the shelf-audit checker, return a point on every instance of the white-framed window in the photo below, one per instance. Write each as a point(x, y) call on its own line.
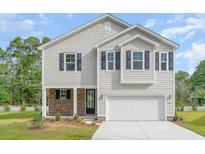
point(70, 61)
point(163, 61)
point(137, 60)
point(63, 94)
point(110, 61)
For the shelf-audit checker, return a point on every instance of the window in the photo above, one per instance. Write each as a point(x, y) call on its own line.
point(163, 63)
point(107, 25)
point(137, 60)
point(110, 60)
point(70, 62)
point(63, 94)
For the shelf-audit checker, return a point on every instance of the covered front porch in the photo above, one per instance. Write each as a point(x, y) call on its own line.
point(69, 102)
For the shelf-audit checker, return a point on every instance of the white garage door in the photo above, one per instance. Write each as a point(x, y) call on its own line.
point(135, 108)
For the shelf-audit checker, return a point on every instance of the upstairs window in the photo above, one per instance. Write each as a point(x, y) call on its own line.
point(163, 58)
point(70, 62)
point(137, 60)
point(110, 60)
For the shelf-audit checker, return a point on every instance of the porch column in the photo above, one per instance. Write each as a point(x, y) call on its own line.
point(44, 100)
point(74, 101)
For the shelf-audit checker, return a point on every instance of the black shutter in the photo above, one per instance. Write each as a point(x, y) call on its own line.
point(103, 60)
point(128, 59)
point(58, 94)
point(157, 60)
point(117, 60)
point(146, 60)
point(79, 61)
point(68, 94)
point(61, 61)
point(171, 60)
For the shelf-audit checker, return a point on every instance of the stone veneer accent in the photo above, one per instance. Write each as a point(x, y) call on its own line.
point(65, 107)
point(81, 101)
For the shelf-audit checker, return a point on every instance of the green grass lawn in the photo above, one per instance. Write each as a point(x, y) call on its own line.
point(194, 121)
point(18, 126)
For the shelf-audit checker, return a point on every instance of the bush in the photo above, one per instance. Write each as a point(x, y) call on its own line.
point(194, 107)
point(7, 108)
point(23, 107)
point(178, 118)
point(78, 119)
point(58, 116)
point(37, 121)
point(36, 107)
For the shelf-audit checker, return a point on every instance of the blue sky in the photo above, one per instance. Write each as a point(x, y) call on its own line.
point(186, 29)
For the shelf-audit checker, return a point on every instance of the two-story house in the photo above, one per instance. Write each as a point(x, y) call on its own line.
point(109, 69)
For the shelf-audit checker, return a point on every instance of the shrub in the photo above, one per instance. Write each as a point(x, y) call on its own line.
point(178, 118)
point(58, 116)
point(37, 121)
point(7, 108)
point(36, 107)
point(93, 123)
point(78, 119)
point(23, 107)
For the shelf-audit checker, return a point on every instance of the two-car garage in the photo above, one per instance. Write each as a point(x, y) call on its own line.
point(135, 108)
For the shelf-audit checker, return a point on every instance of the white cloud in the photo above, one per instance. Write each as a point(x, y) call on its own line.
point(44, 20)
point(193, 55)
point(188, 29)
point(177, 18)
point(150, 23)
point(13, 23)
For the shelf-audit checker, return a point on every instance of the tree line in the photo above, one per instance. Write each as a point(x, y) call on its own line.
point(190, 89)
point(20, 71)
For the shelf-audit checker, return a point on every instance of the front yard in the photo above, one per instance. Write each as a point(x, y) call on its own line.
point(194, 121)
point(18, 126)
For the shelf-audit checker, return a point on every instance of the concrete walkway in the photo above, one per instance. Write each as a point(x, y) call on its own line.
point(143, 130)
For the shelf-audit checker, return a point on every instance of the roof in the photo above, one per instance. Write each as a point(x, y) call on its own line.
point(99, 19)
point(141, 37)
point(161, 38)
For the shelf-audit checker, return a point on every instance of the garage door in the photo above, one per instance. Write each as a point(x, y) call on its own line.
point(135, 108)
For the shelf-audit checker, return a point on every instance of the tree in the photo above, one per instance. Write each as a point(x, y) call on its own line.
point(20, 71)
point(182, 88)
point(198, 77)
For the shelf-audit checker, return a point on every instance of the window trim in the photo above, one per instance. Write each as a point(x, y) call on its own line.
point(110, 61)
point(70, 53)
point(65, 94)
point(160, 62)
point(143, 59)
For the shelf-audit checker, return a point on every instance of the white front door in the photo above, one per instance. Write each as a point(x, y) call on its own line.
point(135, 108)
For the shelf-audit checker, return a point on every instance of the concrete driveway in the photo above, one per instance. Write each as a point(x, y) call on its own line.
point(143, 130)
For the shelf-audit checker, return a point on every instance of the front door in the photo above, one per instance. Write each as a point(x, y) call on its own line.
point(90, 101)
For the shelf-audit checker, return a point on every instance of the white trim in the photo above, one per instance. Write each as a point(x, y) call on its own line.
point(137, 60)
point(154, 50)
point(70, 53)
point(140, 37)
point(44, 102)
point(161, 38)
point(107, 52)
point(75, 101)
point(165, 107)
point(58, 87)
point(167, 69)
point(98, 69)
point(121, 63)
point(173, 89)
point(42, 67)
point(64, 36)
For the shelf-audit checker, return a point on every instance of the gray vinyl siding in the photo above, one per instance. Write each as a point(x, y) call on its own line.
point(109, 82)
point(82, 42)
point(138, 75)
